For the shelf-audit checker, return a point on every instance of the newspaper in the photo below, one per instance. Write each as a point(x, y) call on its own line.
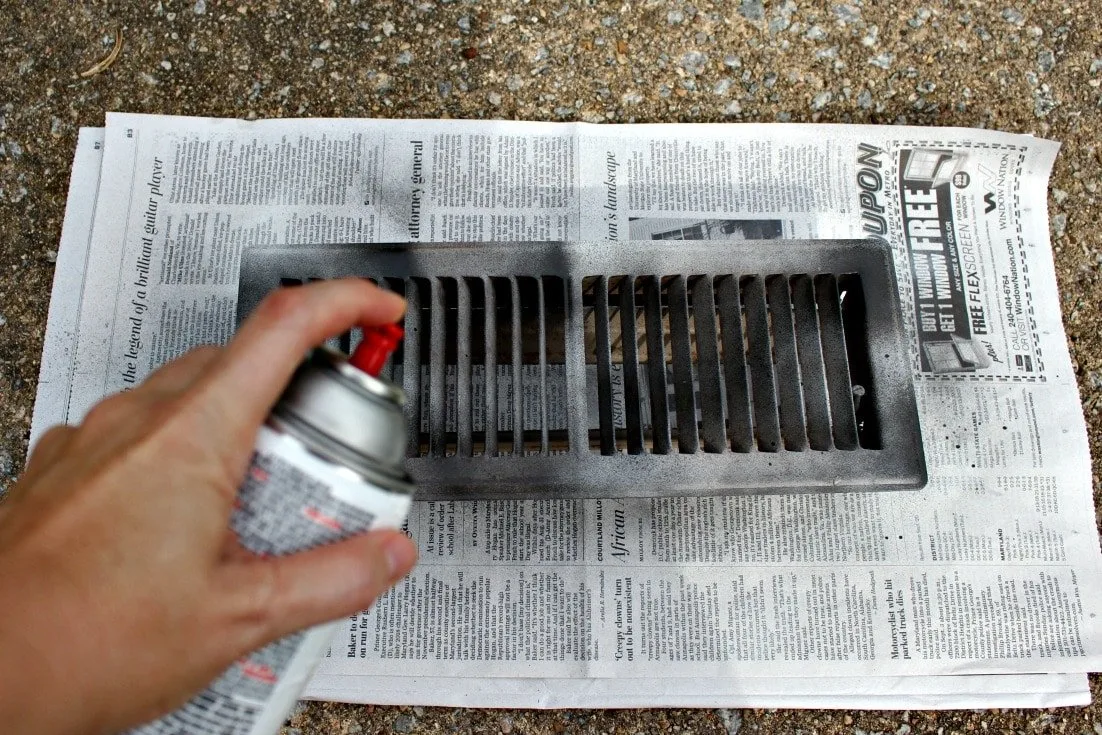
point(841, 692)
point(992, 568)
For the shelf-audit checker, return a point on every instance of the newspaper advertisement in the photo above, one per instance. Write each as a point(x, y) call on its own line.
point(991, 568)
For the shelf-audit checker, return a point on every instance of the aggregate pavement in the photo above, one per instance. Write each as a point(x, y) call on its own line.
point(1028, 66)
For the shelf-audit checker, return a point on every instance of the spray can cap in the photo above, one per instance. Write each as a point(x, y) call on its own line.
point(378, 342)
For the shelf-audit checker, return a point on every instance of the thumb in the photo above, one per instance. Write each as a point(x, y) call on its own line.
point(272, 597)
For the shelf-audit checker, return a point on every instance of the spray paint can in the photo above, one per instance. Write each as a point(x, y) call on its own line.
point(328, 464)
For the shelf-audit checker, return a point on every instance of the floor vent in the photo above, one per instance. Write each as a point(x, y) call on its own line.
point(638, 369)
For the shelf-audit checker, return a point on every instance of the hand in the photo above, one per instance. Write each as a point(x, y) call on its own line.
point(122, 590)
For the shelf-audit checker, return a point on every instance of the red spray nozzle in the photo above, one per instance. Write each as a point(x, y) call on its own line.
point(378, 342)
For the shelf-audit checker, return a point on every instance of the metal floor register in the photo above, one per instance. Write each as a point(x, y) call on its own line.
point(643, 368)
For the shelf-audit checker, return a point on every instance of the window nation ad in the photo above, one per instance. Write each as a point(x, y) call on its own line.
point(959, 226)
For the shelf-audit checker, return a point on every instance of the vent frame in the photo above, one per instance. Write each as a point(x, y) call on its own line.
point(685, 469)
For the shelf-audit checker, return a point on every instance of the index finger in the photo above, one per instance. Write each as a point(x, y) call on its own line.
point(257, 364)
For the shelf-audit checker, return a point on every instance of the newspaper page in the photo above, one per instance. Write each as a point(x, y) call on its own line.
point(991, 568)
point(63, 318)
point(901, 692)
point(1039, 690)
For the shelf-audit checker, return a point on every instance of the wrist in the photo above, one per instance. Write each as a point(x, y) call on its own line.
point(35, 697)
point(20, 710)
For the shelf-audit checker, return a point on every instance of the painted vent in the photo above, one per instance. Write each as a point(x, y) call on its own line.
point(589, 370)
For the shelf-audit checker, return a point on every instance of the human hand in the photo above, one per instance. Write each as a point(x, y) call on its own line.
point(122, 590)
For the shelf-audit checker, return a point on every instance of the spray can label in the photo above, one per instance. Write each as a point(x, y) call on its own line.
point(291, 500)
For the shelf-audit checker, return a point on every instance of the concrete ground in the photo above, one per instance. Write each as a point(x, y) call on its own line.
point(1028, 66)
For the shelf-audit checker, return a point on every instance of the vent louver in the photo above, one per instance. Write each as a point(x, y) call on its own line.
point(640, 369)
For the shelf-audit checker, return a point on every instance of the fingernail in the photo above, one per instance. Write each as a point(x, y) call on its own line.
point(400, 555)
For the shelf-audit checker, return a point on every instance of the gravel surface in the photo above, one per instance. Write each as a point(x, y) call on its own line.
point(1029, 67)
